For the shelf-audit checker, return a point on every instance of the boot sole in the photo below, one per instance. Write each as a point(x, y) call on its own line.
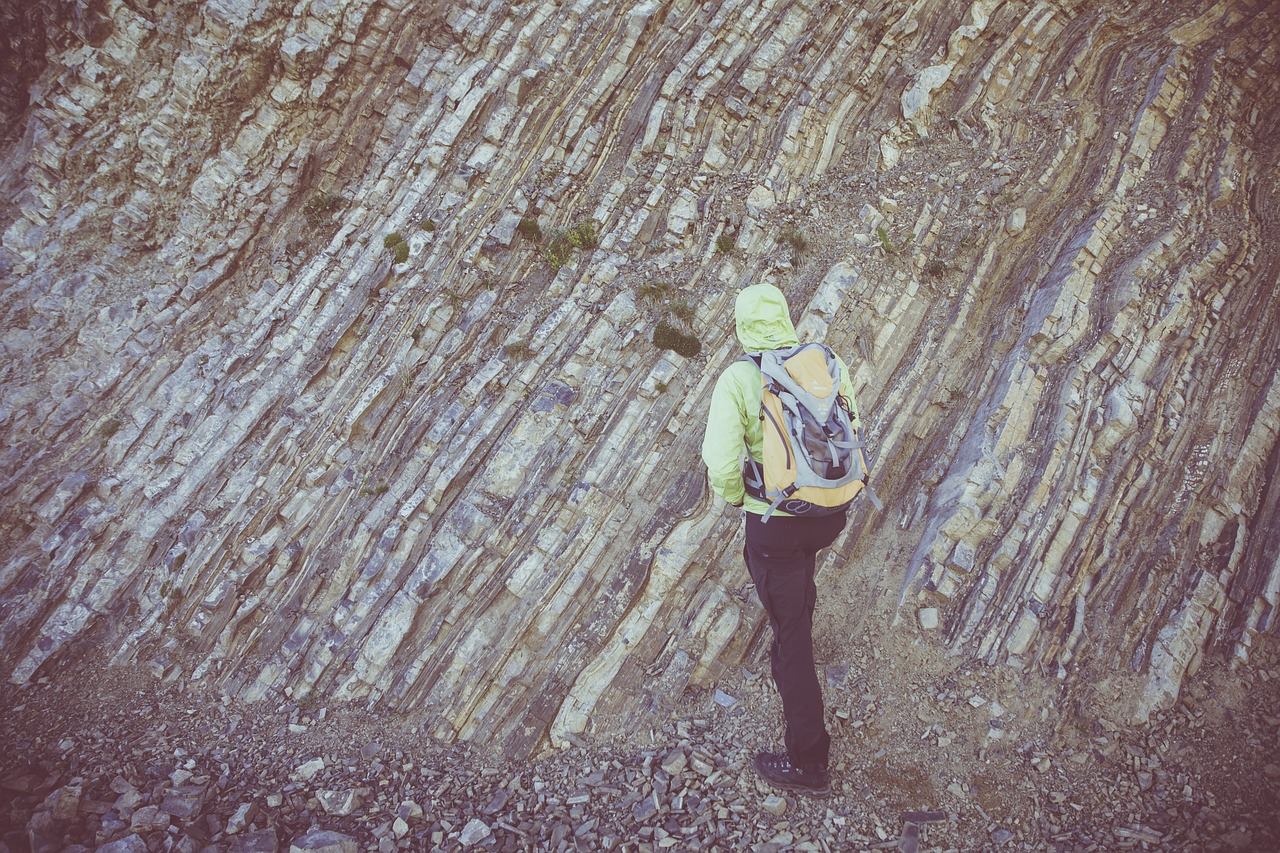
point(814, 793)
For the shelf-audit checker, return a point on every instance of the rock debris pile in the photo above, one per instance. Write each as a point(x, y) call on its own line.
point(932, 763)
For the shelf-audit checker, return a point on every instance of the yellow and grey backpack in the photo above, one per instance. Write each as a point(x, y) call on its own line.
point(815, 461)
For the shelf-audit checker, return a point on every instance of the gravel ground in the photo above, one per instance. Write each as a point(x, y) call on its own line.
point(956, 757)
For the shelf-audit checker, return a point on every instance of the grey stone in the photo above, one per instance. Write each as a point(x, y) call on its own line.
point(339, 803)
point(324, 841)
point(307, 771)
point(149, 819)
point(128, 844)
point(64, 803)
point(675, 762)
point(240, 818)
point(474, 832)
point(259, 841)
point(186, 801)
point(645, 810)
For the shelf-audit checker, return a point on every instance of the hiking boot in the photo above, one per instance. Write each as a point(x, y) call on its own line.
point(776, 769)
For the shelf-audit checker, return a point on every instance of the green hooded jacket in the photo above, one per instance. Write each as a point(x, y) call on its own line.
point(763, 322)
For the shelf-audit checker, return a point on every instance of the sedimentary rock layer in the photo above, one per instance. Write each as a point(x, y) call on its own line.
point(296, 399)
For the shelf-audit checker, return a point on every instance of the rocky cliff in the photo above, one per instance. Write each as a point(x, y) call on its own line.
point(329, 338)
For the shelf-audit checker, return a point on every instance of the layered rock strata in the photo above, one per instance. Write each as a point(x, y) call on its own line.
point(296, 401)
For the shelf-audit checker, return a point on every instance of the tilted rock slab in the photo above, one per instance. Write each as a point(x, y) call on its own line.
point(239, 431)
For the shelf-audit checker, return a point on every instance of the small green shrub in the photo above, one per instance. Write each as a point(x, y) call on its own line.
point(583, 235)
point(934, 268)
point(667, 336)
point(564, 241)
point(109, 428)
point(794, 238)
point(518, 351)
point(529, 229)
point(399, 248)
point(318, 208)
point(683, 311)
point(725, 243)
point(427, 225)
point(655, 291)
point(558, 254)
point(884, 240)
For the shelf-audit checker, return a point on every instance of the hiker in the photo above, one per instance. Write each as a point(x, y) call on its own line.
point(781, 548)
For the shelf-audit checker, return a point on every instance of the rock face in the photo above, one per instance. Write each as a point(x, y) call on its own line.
point(295, 400)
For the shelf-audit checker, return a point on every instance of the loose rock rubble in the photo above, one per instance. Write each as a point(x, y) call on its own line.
point(958, 758)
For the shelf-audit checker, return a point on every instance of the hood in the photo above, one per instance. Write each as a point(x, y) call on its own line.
point(763, 320)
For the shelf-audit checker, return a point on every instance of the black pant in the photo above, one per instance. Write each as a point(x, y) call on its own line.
point(781, 556)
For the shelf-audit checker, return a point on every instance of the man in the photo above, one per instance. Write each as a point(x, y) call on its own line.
point(781, 554)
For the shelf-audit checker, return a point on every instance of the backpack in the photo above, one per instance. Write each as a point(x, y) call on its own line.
point(815, 461)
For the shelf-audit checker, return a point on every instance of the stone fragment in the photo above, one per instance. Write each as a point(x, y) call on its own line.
point(714, 158)
point(474, 832)
point(683, 212)
point(128, 844)
point(645, 810)
point(149, 819)
point(775, 805)
point(928, 617)
point(909, 840)
point(1017, 221)
point(324, 841)
point(1138, 832)
point(260, 841)
point(307, 771)
point(240, 818)
point(724, 700)
point(760, 200)
point(890, 153)
point(675, 761)
point(339, 803)
point(64, 803)
point(504, 232)
point(497, 802)
point(185, 802)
